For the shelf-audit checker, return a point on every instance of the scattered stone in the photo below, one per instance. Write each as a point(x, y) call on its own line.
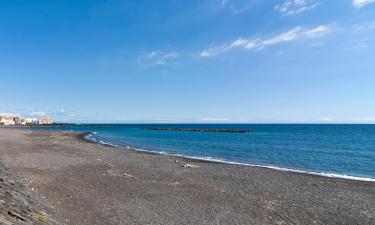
point(18, 205)
point(119, 173)
point(5, 221)
point(16, 215)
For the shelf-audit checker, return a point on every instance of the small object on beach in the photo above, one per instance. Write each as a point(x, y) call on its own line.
point(127, 175)
point(191, 166)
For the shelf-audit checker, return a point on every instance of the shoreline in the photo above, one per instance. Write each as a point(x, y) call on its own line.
point(84, 136)
point(88, 183)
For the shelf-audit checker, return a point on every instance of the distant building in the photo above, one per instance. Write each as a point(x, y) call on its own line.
point(17, 120)
point(31, 121)
point(23, 121)
point(45, 121)
point(11, 120)
point(7, 119)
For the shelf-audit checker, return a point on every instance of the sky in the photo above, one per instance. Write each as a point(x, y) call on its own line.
point(196, 61)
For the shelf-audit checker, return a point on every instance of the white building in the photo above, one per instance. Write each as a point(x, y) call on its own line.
point(31, 121)
point(7, 119)
point(7, 122)
point(45, 121)
point(10, 119)
point(17, 120)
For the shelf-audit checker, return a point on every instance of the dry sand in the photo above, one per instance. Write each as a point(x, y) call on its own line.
point(84, 183)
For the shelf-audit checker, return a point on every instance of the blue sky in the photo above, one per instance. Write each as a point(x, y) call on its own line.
point(208, 61)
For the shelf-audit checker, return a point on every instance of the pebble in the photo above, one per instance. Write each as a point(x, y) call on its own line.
point(17, 203)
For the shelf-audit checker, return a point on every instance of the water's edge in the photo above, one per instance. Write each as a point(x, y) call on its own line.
point(87, 136)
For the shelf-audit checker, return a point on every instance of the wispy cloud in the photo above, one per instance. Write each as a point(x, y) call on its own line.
point(234, 6)
point(158, 58)
point(60, 114)
point(145, 120)
point(215, 120)
point(364, 26)
point(221, 120)
point(38, 114)
point(9, 114)
point(370, 119)
point(294, 34)
point(64, 113)
point(362, 3)
point(292, 7)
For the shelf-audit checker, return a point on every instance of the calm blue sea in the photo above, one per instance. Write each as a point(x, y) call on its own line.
point(346, 151)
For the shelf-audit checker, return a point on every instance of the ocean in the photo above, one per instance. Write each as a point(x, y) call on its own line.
point(345, 151)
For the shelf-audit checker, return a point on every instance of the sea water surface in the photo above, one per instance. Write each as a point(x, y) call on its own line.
point(346, 151)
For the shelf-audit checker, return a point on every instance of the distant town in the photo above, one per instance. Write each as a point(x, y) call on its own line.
point(7, 119)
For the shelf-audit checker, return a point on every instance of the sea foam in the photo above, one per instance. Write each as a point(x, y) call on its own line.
point(90, 138)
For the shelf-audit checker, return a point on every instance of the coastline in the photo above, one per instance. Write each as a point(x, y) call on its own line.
point(88, 183)
point(85, 136)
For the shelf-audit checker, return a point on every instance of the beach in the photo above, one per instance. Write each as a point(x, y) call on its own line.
point(78, 182)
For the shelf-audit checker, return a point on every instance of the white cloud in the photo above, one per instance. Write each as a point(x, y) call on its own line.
point(9, 114)
point(361, 3)
point(224, 2)
point(159, 63)
point(292, 7)
point(64, 113)
point(215, 119)
point(317, 31)
point(364, 26)
point(149, 120)
point(158, 58)
point(151, 54)
point(360, 120)
point(171, 55)
point(234, 6)
point(290, 35)
point(163, 120)
point(161, 54)
point(39, 114)
point(222, 120)
point(294, 34)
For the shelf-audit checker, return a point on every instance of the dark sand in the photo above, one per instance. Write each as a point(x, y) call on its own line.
point(85, 183)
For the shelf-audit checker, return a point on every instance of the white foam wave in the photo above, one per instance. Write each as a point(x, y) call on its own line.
point(109, 144)
point(218, 160)
point(332, 175)
point(89, 137)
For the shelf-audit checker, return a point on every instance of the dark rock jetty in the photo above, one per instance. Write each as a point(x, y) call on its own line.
point(200, 130)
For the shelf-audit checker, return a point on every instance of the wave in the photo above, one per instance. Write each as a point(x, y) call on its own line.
point(89, 137)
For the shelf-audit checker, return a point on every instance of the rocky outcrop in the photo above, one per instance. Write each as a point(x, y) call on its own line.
point(18, 205)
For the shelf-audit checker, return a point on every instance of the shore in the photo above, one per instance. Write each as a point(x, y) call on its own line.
point(79, 183)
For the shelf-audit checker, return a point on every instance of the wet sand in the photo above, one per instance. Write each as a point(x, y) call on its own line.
point(85, 183)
